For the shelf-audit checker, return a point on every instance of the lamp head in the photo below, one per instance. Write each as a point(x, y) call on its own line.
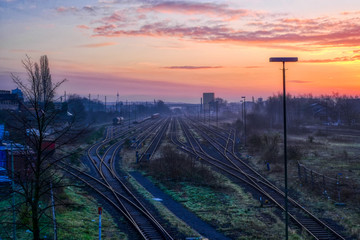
point(283, 59)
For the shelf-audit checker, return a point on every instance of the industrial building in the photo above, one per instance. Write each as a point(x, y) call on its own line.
point(208, 98)
point(10, 100)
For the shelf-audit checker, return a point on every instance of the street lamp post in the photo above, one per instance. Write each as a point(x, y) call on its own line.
point(283, 60)
point(244, 111)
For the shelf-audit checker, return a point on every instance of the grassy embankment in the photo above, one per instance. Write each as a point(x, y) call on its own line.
point(212, 197)
point(78, 221)
point(327, 151)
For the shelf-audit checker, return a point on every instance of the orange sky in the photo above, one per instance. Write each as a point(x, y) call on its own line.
point(175, 50)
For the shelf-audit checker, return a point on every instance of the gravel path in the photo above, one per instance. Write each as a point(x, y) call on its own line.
point(181, 212)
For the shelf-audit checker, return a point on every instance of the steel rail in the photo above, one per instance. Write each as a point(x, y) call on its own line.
point(152, 147)
point(100, 171)
point(278, 191)
point(114, 174)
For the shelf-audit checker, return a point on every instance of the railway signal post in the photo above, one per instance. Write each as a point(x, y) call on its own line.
point(283, 60)
point(99, 211)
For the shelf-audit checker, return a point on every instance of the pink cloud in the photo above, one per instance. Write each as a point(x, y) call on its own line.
point(190, 8)
point(264, 30)
point(113, 18)
point(337, 59)
point(72, 9)
point(83, 26)
point(351, 13)
point(66, 9)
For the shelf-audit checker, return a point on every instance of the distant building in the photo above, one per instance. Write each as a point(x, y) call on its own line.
point(19, 93)
point(2, 131)
point(207, 99)
point(9, 101)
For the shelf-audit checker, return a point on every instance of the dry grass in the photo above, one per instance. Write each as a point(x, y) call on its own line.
point(214, 198)
point(229, 209)
point(331, 151)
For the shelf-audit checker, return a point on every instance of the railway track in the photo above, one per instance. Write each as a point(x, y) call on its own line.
point(154, 144)
point(113, 188)
point(221, 155)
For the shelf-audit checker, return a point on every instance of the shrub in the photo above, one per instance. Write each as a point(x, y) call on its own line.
point(271, 148)
point(176, 167)
point(294, 152)
point(255, 141)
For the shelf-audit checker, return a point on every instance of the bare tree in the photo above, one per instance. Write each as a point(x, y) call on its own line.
point(39, 125)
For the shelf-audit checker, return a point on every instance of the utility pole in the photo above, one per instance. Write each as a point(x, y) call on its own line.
point(244, 120)
point(13, 193)
point(283, 60)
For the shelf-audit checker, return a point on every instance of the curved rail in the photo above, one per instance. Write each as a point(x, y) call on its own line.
point(313, 225)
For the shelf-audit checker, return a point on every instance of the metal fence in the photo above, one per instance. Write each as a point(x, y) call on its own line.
point(339, 188)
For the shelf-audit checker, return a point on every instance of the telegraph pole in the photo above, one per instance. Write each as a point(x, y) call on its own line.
point(13, 189)
point(244, 120)
point(283, 60)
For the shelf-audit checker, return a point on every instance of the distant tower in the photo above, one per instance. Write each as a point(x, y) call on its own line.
point(207, 99)
point(105, 103)
point(117, 101)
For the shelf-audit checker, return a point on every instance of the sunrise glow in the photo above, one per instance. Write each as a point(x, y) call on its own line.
point(176, 50)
